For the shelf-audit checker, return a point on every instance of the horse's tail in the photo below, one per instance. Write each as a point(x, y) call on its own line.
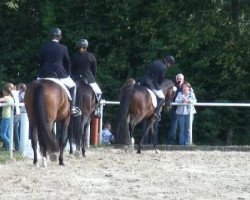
point(123, 133)
point(46, 136)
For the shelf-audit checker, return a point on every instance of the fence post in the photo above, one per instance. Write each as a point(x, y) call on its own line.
point(11, 130)
point(24, 131)
point(101, 122)
point(190, 124)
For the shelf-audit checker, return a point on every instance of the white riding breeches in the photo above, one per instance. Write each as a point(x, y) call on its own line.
point(159, 94)
point(96, 88)
point(68, 82)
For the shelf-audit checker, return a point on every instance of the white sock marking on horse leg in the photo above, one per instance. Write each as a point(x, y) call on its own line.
point(44, 162)
point(132, 141)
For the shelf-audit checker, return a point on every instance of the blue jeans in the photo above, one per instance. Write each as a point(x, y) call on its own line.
point(184, 136)
point(173, 128)
point(5, 124)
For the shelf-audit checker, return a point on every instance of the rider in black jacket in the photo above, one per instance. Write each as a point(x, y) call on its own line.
point(84, 67)
point(55, 63)
point(154, 77)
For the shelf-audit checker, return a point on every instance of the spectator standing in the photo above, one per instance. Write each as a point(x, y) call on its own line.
point(6, 115)
point(107, 136)
point(179, 80)
point(23, 129)
point(183, 112)
point(17, 116)
point(22, 89)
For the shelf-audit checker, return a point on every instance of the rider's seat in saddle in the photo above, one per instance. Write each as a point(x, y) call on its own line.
point(160, 102)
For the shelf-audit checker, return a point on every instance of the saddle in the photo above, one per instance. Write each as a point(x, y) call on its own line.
point(94, 87)
point(57, 81)
point(153, 97)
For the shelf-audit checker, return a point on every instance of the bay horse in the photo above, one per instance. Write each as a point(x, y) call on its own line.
point(136, 106)
point(47, 102)
point(86, 101)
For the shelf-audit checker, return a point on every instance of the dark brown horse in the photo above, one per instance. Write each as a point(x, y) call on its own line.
point(136, 105)
point(86, 101)
point(46, 102)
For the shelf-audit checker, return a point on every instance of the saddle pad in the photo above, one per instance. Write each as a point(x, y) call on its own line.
point(61, 84)
point(96, 88)
point(153, 97)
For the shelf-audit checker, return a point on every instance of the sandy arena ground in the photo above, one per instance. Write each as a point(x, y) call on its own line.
point(113, 174)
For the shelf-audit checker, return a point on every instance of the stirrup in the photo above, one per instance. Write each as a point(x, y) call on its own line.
point(75, 111)
point(98, 112)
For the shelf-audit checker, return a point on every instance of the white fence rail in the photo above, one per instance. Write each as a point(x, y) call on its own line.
point(24, 124)
point(104, 102)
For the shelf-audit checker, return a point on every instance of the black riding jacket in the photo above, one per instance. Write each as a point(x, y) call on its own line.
point(54, 58)
point(84, 66)
point(155, 75)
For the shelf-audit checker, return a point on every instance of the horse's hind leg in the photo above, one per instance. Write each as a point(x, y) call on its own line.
point(84, 139)
point(153, 132)
point(70, 136)
point(63, 139)
point(33, 134)
point(148, 126)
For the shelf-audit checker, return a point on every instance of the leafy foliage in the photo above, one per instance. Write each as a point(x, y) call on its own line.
point(210, 40)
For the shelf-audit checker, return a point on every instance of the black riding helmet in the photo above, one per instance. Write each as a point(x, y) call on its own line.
point(55, 32)
point(170, 59)
point(82, 43)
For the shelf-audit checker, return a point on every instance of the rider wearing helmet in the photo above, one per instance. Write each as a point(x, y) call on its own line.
point(84, 67)
point(154, 77)
point(54, 62)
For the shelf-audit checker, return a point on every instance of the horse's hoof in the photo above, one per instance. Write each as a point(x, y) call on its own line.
point(156, 151)
point(61, 163)
point(126, 148)
point(52, 157)
point(139, 151)
point(36, 165)
point(77, 154)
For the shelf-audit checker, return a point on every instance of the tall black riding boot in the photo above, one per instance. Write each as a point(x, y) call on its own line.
point(74, 110)
point(157, 112)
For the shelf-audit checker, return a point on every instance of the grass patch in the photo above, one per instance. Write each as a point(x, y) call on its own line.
point(5, 155)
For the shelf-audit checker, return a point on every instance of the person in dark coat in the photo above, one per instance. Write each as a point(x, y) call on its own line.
point(154, 77)
point(84, 67)
point(54, 62)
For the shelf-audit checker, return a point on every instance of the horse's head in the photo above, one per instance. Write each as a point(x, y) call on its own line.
point(169, 90)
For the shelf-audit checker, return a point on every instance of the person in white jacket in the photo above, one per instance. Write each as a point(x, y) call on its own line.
point(183, 112)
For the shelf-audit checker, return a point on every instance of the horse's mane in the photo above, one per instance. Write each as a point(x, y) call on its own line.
point(167, 83)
